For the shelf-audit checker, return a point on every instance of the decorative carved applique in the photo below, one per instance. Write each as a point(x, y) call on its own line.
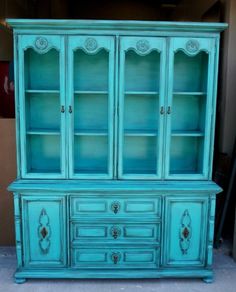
point(41, 43)
point(44, 231)
point(115, 257)
point(115, 232)
point(192, 46)
point(185, 232)
point(142, 46)
point(91, 44)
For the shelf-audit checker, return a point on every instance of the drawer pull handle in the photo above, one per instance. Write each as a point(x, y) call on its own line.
point(115, 207)
point(62, 109)
point(115, 232)
point(168, 110)
point(162, 111)
point(115, 257)
point(70, 109)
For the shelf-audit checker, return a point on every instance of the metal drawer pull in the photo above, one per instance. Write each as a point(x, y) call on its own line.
point(162, 111)
point(115, 207)
point(70, 109)
point(168, 110)
point(115, 257)
point(115, 232)
point(62, 109)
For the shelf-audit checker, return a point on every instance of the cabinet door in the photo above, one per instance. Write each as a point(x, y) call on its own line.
point(190, 106)
point(42, 106)
point(91, 106)
point(44, 231)
point(141, 107)
point(185, 225)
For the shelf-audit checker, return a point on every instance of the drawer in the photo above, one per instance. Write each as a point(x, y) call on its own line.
point(128, 232)
point(115, 258)
point(114, 206)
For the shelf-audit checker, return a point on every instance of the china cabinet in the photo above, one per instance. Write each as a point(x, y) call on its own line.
point(115, 133)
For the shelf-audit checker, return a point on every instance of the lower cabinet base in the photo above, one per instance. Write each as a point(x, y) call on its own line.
point(22, 275)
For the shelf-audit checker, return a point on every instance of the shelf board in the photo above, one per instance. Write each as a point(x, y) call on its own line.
point(43, 132)
point(49, 91)
point(189, 93)
point(187, 134)
point(148, 133)
point(90, 92)
point(141, 92)
point(91, 132)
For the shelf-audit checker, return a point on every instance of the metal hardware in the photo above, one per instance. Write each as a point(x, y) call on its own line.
point(162, 111)
point(115, 257)
point(185, 232)
point(62, 109)
point(115, 232)
point(70, 109)
point(168, 110)
point(44, 232)
point(115, 207)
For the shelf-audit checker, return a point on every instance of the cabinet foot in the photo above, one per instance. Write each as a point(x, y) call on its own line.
point(208, 280)
point(20, 280)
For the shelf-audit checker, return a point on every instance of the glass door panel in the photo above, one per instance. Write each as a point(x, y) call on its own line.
point(41, 100)
point(188, 99)
point(140, 106)
point(91, 92)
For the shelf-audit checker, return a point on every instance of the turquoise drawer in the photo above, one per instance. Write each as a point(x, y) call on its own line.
point(123, 233)
point(115, 258)
point(115, 206)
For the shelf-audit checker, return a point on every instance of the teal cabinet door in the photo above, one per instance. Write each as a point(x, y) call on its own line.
point(190, 106)
point(42, 106)
point(90, 106)
point(185, 231)
point(141, 107)
point(44, 231)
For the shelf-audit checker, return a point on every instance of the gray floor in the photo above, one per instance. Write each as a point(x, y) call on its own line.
point(224, 266)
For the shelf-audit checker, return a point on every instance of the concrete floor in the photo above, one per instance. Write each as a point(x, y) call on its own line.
point(224, 266)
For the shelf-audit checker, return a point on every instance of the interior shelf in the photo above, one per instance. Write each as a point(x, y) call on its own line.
point(187, 133)
point(43, 132)
point(91, 92)
point(48, 91)
point(90, 132)
point(189, 93)
point(136, 132)
point(141, 93)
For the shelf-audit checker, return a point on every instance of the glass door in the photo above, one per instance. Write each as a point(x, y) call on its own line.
point(141, 107)
point(42, 106)
point(189, 108)
point(91, 106)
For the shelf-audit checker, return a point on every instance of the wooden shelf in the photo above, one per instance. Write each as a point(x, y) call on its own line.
point(90, 92)
point(187, 133)
point(189, 93)
point(140, 132)
point(43, 132)
point(49, 91)
point(90, 132)
point(141, 92)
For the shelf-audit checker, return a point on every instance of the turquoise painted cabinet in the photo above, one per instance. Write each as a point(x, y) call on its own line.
point(115, 133)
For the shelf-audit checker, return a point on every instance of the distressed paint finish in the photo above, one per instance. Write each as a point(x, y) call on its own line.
point(115, 127)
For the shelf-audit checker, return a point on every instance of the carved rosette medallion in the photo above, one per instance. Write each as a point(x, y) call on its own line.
point(142, 46)
point(192, 46)
point(185, 232)
point(91, 44)
point(41, 43)
point(44, 231)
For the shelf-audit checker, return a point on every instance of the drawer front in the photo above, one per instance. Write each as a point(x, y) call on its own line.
point(117, 258)
point(115, 232)
point(114, 206)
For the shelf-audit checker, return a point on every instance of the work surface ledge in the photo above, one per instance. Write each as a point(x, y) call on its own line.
point(114, 185)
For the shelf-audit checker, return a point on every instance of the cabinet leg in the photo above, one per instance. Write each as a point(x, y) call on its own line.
point(208, 280)
point(20, 280)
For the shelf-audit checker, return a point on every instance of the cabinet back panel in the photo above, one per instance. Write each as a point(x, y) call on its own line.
point(140, 155)
point(190, 73)
point(42, 111)
point(188, 113)
point(91, 154)
point(186, 155)
point(140, 112)
point(42, 70)
point(43, 153)
point(91, 111)
point(142, 73)
point(91, 71)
